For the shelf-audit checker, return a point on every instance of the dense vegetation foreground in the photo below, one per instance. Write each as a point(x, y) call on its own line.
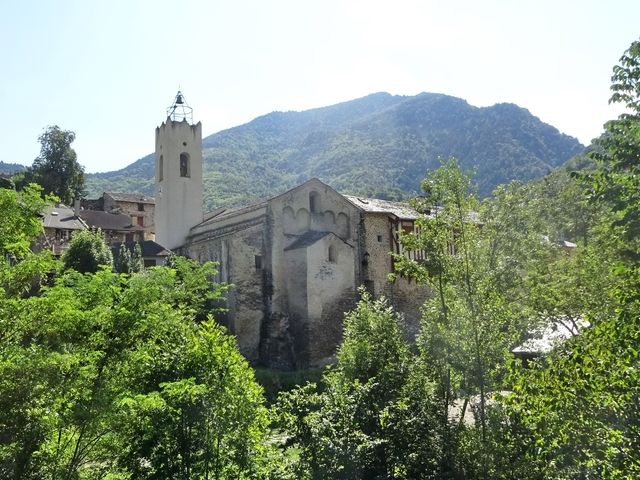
point(107, 375)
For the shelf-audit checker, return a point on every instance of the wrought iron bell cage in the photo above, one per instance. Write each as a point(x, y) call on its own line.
point(179, 110)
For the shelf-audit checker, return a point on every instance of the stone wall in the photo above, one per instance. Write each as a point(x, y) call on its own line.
point(405, 295)
point(292, 286)
point(132, 209)
point(239, 251)
point(331, 291)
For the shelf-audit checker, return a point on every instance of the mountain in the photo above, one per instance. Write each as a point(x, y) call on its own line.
point(379, 145)
point(11, 168)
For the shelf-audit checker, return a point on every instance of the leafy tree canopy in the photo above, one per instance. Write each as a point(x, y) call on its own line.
point(57, 169)
point(108, 376)
point(87, 251)
point(578, 409)
point(20, 221)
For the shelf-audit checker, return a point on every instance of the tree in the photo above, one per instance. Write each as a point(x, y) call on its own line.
point(137, 262)
point(616, 181)
point(122, 260)
point(474, 266)
point(21, 271)
point(20, 222)
point(579, 407)
point(375, 415)
point(109, 376)
point(57, 169)
point(87, 251)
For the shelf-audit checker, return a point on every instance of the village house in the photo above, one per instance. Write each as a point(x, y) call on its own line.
point(296, 260)
point(140, 208)
point(60, 223)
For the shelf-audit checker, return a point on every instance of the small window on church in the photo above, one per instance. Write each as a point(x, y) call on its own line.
point(160, 168)
point(314, 202)
point(184, 165)
point(333, 254)
point(258, 261)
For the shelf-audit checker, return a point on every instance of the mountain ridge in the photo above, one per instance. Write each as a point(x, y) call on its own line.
point(377, 145)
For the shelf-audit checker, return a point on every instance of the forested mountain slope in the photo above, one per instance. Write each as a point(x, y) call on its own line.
point(380, 145)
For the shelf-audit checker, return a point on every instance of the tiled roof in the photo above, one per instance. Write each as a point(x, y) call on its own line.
point(375, 205)
point(61, 217)
point(130, 197)
point(223, 212)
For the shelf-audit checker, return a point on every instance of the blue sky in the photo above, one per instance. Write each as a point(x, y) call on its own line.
point(108, 70)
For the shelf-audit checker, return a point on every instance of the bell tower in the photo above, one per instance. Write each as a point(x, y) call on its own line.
point(178, 175)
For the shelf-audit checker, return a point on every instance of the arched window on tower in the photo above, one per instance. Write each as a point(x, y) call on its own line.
point(185, 167)
point(160, 168)
point(314, 202)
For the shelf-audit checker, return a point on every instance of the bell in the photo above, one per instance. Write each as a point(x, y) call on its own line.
point(179, 100)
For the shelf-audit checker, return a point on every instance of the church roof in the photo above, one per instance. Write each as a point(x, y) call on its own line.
point(375, 205)
point(226, 211)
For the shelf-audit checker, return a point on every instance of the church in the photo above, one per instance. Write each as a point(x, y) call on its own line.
point(295, 260)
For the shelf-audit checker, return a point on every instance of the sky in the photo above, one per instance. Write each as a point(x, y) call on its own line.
point(108, 70)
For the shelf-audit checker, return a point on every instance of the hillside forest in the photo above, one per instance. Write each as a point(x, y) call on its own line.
point(108, 375)
point(378, 146)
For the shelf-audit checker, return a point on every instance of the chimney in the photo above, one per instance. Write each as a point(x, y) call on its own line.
point(76, 207)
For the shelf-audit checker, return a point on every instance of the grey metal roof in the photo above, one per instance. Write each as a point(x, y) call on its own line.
point(375, 205)
point(130, 197)
point(61, 217)
point(553, 333)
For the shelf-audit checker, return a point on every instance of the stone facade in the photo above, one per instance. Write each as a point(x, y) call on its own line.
point(140, 208)
point(295, 261)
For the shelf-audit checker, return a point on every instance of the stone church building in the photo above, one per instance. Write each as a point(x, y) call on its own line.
point(296, 260)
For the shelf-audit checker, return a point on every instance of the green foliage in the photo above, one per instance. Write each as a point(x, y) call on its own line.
point(616, 181)
point(87, 251)
point(20, 222)
point(57, 169)
point(108, 376)
point(122, 261)
point(137, 263)
point(496, 271)
point(377, 146)
point(127, 261)
point(21, 271)
point(375, 415)
point(194, 289)
point(208, 421)
point(578, 408)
